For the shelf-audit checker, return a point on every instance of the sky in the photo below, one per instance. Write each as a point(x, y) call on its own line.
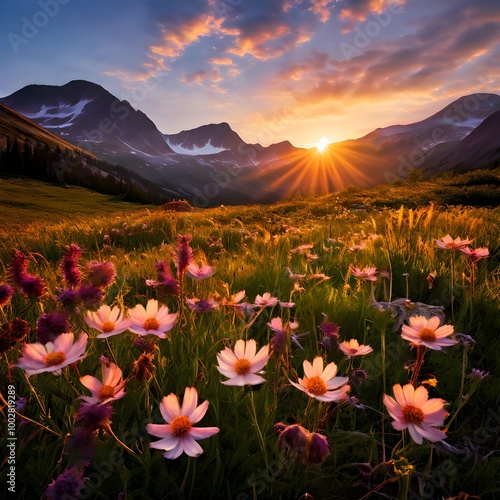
point(295, 70)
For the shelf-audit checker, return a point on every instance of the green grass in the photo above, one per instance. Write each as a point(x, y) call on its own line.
point(250, 248)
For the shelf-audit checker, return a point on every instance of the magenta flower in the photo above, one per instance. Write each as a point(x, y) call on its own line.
point(101, 274)
point(51, 325)
point(201, 305)
point(6, 292)
point(179, 434)
point(68, 484)
point(413, 410)
point(90, 295)
point(69, 265)
point(476, 254)
point(184, 253)
point(427, 332)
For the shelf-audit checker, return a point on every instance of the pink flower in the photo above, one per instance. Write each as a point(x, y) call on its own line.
point(243, 365)
point(107, 321)
point(178, 435)
point(153, 319)
point(265, 300)
point(6, 292)
point(367, 274)
point(428, 332)
point(413, 410)
point(101, 274)
point(320, 383)
point(199, 273)
point(448, 243)
point(475, 255)
point(52, 356)
point(235, 299)
point(303, 249)
point(69, 265)
point(184, 255)
point(352, 348)
point(111, 387)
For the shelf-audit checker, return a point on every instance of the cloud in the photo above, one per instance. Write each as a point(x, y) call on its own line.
point(202, 75)
point(359, 10)
point(221, 61)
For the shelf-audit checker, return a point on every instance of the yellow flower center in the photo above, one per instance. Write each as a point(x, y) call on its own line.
point(54, 358)
point(242, 366)
point(180, 426)
point(427, 335)
point(412, 414)
point(151, 324)
point(107, 327)
point(106, 391)
point(316, 385)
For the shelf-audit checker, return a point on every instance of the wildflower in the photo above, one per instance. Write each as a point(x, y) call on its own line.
point(179, 435)
point(265, 300)
point(199, 273)
point(352, 348)
point(51, 357)
point(101, 274)
point(321, 383)
point(6, 292)
point(428, 332)
point(145, 345)
point(294, 276)
point(243, 366)
point(413, 410)
point(358, 376)
point(68, 484)
point(184, 253)
point(477, 374)
point(166, 283)
point(69, 265)
point(310, 447)
point(68, 298)
point(359, 247)
point(476, 254)
point(107, 321)
point(279, 342)
point(92, 417)
point(90, 295)
point(287, 305)
point(32, 286)
point(50, 326)
point(330, 332)
point(153, 319)
point(111, 387)
point(448, 243)
point(201, 305)
point(317, 449)
point(143, 367)
point(303, 249)
point(13, 332)
point(367, 274)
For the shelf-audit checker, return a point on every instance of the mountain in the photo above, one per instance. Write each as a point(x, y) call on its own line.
point(27, 149)
point(211, 164)
point(87, 115)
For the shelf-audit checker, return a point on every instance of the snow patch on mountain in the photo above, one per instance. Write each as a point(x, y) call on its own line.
point(207, 149)
point(62, 111)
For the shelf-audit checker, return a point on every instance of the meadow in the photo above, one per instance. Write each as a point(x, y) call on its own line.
point(355, 265)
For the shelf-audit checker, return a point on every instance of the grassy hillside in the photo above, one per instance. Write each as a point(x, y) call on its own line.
point(253, 249)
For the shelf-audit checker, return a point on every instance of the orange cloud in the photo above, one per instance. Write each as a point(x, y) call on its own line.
point(221, 61)
point(360, 9)
point(200, 76)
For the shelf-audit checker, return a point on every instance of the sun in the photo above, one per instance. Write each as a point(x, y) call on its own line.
point(322, 144)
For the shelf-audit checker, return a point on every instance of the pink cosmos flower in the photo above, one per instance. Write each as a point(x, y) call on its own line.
point(287, 305)
point(107, 321)
point(178, 435)
point(235, 299)
point(294, 276)
point(413, 410)
point(153, 319)
point(448, 243)
point(243, 365)
point(422, 331)
point(265, 300)
point(476, 254)
point(111, 387)
point(199, 273)
point(52, 356)
point(367, 274)
point(304, 249)
point(320, 383)
point(352, 348)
